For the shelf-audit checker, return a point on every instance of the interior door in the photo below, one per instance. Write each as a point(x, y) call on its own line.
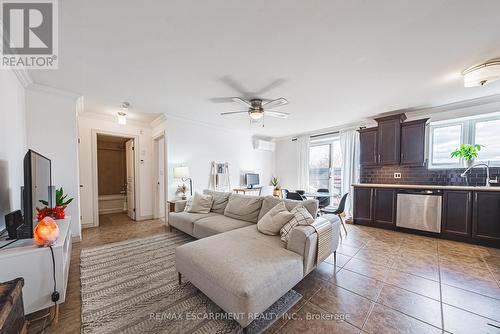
point(161, 178)
point(130, 160)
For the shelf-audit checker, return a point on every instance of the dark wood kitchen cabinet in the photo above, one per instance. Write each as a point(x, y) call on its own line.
point(413, 143)
point(486, 217)
point(457, 213)
point(363, 205)
point(389, 139)
point(384, 206)
point(368, 146)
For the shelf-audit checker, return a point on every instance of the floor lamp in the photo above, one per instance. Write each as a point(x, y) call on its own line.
point(182, 172)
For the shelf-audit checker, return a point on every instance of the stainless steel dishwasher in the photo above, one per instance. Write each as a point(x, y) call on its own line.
point(419, 209)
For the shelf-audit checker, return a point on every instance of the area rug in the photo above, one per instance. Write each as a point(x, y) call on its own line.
point(132, 287)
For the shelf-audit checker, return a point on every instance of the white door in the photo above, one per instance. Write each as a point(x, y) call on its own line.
point(129, 156)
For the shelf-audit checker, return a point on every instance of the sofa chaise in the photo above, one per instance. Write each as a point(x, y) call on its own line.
point(241, 269)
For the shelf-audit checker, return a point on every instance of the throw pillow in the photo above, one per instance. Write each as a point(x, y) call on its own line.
point(201, 203)
point(189, 203)
point(220, 200)
point(272, 222)
point(300, 217)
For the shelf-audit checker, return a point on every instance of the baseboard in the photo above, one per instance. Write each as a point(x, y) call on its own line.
point(108, 211)
point(141, 218)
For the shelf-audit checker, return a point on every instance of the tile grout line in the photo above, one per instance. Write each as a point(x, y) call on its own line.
point(440, 290)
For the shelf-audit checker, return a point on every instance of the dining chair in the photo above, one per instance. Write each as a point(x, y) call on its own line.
point(295, 196)
point(338, 211)
point(266, 191)
point(323, 201)
point(300, 192)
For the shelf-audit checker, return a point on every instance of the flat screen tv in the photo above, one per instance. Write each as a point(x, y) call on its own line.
point(37, 191)
point(251, 180)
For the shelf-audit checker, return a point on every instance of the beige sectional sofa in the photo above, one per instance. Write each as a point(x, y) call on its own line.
point(241, 269)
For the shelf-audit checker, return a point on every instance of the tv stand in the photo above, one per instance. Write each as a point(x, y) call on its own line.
point(34, 264)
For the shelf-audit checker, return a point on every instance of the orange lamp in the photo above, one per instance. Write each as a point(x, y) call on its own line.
point(46, 232)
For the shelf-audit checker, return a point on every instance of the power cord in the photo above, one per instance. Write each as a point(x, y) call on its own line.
point(54, 297)
point(8, 243)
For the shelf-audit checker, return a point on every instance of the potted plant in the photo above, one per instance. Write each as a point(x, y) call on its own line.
point(58, 211)
point(467, 152)
point(275, 183)
point(181, 191)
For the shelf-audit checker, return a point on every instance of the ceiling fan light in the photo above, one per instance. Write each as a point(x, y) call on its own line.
point(122, 118)
point(482, 74)
point(256, 115)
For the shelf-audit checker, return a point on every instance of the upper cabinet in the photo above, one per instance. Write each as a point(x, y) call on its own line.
point(393, 142)
point(413, 143)
point(368, 143)
point(389, 139)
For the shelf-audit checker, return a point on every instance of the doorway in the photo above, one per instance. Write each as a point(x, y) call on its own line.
point(115, 180)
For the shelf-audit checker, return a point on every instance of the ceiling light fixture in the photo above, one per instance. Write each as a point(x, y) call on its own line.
point(256, 114)
point(482, 74)
point(122, 115)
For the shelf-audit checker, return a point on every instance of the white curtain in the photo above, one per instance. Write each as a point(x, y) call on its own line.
point(349, 143)
point(303, 161)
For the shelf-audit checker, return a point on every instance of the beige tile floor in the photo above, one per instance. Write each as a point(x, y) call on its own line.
point(384, 282)
point(391, 282)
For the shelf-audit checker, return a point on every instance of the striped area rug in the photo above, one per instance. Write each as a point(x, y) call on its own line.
point(132, 287)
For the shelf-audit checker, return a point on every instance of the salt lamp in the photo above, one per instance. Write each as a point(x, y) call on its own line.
point(46, 232)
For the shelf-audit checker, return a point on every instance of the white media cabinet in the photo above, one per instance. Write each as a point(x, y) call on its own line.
point(24, 259)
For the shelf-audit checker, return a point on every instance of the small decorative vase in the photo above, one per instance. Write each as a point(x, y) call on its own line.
point(469, 163)
point(58, 212)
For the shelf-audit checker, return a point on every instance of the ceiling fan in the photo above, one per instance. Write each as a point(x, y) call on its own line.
point(257, 108)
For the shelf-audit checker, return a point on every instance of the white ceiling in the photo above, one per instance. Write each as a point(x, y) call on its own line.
point(335, 61)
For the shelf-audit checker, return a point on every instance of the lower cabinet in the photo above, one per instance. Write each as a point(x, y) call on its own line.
point(457, 213)
point(486, 217)
point(363, 205)
point(384, 206)
point(375, 206)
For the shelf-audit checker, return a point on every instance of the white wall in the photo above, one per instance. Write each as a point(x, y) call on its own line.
point(196, 145)
point(287, 163)
point(12, 142)
point(87, 123)
point(51, 130)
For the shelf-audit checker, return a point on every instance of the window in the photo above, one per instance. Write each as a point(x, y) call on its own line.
point(487, 134)
point(325, 165)
point(447, 136)
point(445, 139)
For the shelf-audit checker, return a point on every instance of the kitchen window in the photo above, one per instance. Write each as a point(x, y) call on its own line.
point(446, 136)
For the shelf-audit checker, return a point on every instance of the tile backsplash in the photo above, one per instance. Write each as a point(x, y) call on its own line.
point(423, 175)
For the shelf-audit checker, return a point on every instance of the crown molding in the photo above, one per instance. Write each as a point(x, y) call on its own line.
point(23, 76)
point(158, 120)
point(36, 87)
point(207, 124)
point(111, 118)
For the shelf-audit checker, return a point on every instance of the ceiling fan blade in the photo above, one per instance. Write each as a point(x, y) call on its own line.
point(241, 101)
point(277, 114)
point(275, 103)
point(233, 113)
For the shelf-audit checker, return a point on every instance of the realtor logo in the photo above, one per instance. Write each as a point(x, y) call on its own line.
point(29, 31)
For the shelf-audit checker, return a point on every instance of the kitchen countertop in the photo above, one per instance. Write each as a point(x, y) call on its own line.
point(424, 186)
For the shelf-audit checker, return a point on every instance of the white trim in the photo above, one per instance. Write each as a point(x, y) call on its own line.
point(23, 76)
point(155, 139)
point(157, 121)
point(111, 118)
point(95, 183)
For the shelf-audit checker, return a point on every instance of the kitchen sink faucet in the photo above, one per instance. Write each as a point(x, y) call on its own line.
point(487, 166)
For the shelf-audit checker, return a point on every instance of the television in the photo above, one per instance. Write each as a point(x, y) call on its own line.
point(37, 191)
point(251, 180)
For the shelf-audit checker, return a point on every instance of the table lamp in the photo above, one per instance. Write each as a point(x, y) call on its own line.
point(182, 172)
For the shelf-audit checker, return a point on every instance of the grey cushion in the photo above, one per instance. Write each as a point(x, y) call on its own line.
point(184, 220)
point(220, 200)
point(270, 202)
point(239, 272)
point(209, 226)
point(301, 217)
point(272, 222)
point(201, 203)
point(243, 207)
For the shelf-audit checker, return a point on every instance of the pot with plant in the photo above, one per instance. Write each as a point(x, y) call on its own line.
point(181, 191)
point(58, 212)
point(275, 184)
point(467, 152)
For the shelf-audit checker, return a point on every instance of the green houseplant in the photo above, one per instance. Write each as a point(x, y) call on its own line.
point(467, 152)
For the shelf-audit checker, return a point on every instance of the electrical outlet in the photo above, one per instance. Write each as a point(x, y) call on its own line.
point(397, 175)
